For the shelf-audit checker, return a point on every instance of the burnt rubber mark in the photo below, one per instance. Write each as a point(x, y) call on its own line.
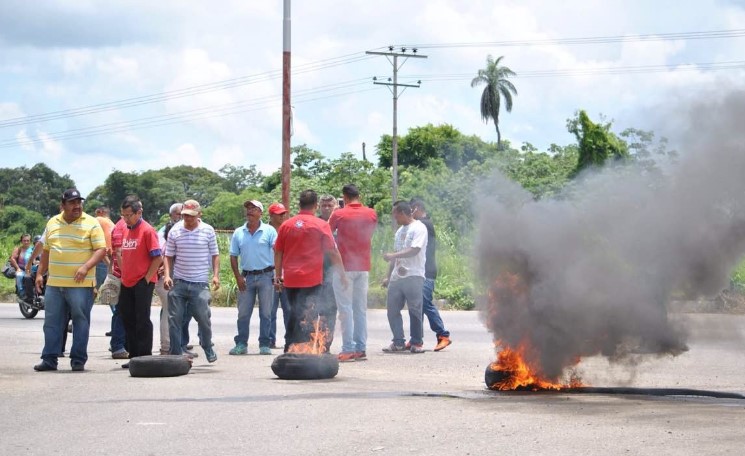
point(653, 392)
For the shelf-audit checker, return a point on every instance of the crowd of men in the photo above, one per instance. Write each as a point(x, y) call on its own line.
point(315, 265)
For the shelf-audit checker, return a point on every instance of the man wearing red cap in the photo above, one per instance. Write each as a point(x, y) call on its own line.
point(278, 213)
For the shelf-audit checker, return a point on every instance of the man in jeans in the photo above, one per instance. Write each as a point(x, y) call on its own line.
point(277, 215)
point(74, 246)
point(406, 279)
point(354, 225)
point(190, 251)
point(419, 212)
point(253, 242)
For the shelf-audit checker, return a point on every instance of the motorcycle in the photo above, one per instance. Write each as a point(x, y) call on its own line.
point(30, 301)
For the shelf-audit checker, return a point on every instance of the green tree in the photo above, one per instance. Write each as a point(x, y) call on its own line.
point(17, 220)
point(597, 144)
point(239, 178)
point(497, 86)
point(38, 189)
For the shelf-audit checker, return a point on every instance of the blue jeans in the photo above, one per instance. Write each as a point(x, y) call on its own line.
point(59, 301)
point(101, 271)
point(352, 304)
point(429, 309)
point(118, 334)
point(257, 285)
point(19, 283)
point(279, 298)
point(406, 291)
point(193, 298)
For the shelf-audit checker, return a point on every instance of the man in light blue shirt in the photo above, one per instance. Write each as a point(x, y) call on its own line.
point(253, 245)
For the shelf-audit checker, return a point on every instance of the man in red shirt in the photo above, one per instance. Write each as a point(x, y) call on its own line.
point(354, 225)
point(301, 244)
point(141, 257)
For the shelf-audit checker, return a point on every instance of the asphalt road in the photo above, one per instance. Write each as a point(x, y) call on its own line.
point(392, 404)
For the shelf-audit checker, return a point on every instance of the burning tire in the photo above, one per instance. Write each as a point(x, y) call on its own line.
point(492, 377)
point(302, 366)
point(159, 366)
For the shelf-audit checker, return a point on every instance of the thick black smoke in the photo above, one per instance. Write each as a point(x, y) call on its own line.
point(599, 267)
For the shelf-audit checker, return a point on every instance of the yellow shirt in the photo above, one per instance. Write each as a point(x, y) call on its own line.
point(70, 245)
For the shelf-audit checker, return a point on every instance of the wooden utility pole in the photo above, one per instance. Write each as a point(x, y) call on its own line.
point(393, 87)
point(286, 108)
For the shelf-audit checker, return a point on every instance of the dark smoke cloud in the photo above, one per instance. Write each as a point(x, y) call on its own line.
point(600, 266)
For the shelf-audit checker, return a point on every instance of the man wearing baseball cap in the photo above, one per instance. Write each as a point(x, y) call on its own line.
point(253, 243)
point(278, 213)
point(74, 245)
point(191, 250)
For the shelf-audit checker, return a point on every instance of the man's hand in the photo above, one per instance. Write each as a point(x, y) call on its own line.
point(384, 283)
point(167, 283)
point(215, 282)
point(39, 283)
point(390, 256)
point(241, 282)
point(80, 274)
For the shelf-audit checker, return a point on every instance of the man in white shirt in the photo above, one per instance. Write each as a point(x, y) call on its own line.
point(406, 279)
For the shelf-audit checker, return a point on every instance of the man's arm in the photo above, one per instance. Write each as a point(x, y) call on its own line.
point(167, 263)
point(155, 262)
point(278, 270)
point(338, 264)
point(43, 265)
point(216, 271)
point(239, 279)
point(96, 258)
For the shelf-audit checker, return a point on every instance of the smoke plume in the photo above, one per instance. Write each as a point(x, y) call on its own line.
point(592, 272)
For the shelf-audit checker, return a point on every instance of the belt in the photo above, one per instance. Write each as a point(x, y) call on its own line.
point(258, 271)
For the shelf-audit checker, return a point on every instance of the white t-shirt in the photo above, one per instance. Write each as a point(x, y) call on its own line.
point(193, 250)
point(412, 235)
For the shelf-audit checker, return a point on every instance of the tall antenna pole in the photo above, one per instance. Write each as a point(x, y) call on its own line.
point(286, 109)
point(393, 87)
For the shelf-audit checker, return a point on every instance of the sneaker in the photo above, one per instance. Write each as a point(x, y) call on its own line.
point(442, 342)
point(407, 346)
point(417, 348)
point(394, 348)
point(187, 351)
point(121, 354)
point(360, 356)
point(265, 350)
point(211, 355)
point(78, 367)
point(44, 366)
point(346, 357)
point(239, 349)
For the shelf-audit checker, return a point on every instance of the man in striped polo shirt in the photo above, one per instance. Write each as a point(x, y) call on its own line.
point(74, 245)
point(190, 250)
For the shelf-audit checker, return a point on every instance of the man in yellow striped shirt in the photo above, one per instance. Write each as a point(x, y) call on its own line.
point(75, 244)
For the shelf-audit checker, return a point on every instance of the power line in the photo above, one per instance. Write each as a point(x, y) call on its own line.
point(713, 34)
point(244, 106)
point(179, 93)
point(639, 69)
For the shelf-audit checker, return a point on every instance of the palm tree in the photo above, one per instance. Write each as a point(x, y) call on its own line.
point(497, 87)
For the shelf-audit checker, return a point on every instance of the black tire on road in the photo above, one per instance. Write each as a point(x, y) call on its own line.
point(301, 366)
point(26, 310)
point(492, 376)
point(159, 366)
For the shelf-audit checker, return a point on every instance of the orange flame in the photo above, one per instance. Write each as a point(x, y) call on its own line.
point(517, 369)
point(317, 343)
point(518, 374)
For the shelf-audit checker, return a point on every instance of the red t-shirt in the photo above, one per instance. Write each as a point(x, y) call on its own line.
point(303, 240)
point(139, 246)
point(117, 235)
point(354, 225)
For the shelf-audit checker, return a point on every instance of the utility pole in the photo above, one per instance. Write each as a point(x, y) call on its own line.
point(286, 108)
point(392, 57)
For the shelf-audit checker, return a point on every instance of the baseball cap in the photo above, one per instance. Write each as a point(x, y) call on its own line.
point(254, 203)
point(71, 194)
point(191, 207)
point(277, 208)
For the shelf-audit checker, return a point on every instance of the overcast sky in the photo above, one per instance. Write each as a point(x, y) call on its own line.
point(56, 56)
